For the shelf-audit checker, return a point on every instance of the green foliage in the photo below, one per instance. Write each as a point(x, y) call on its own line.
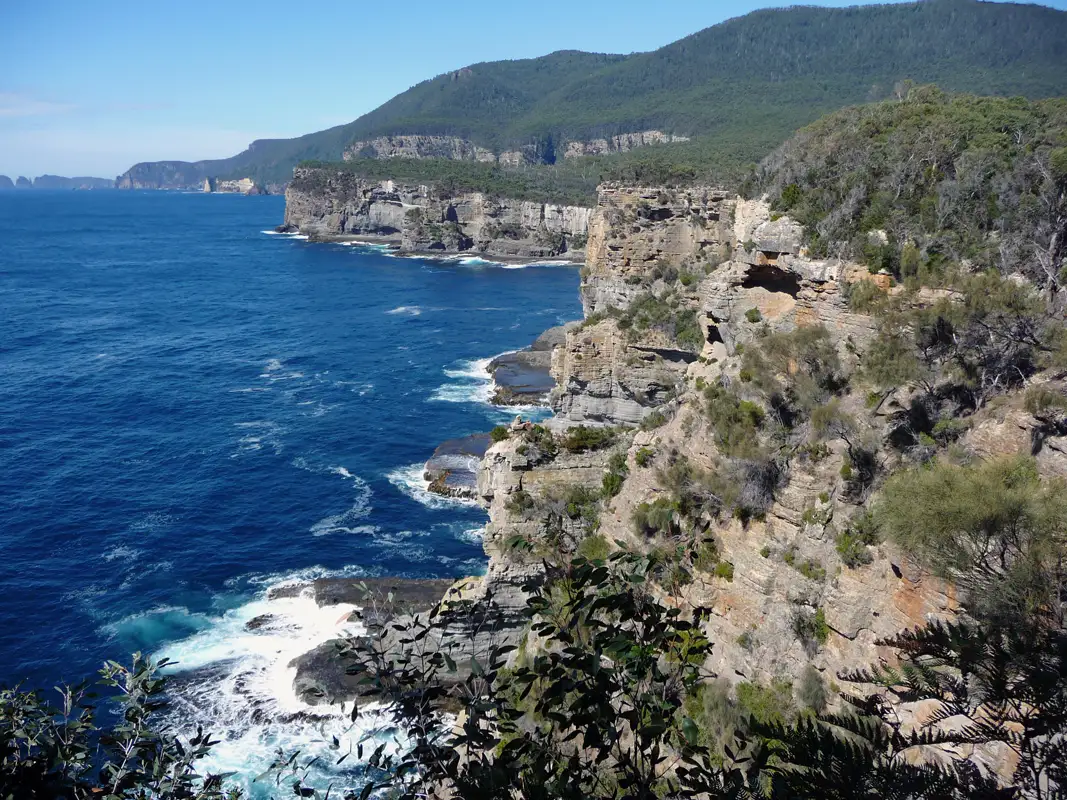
point(582, 438)
point(63, 751)
point(812, 692)
point(594, 548)
point(581, 503)
point(765, 551)
point(812, 570)
point(854, 542)
point(810, 626)
point(725, 570)
point(969, 522)
point(1040, 400)
point(643, 457)
point(542, 438)
point(499, 433)
point(520, 502)
point(946, 177)
point(667, 314)
point(705, 556)
point(655, 518)
point(754, 315)
point(863, 296)
point(736, 422)
point(797, 370)
point(653, 420)
point(767, 705)
point(616, 474)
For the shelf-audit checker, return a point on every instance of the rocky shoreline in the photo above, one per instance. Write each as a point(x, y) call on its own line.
point(323, 203)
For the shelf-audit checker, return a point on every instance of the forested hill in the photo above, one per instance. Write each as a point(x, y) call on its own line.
point(748, 82)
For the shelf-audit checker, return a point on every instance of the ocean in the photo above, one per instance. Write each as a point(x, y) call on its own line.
point(194, 409)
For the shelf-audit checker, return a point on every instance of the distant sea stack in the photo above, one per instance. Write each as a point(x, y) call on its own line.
point(6, 184)
point(23, 183)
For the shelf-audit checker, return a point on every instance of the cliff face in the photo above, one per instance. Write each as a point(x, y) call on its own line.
point(634, 229)
point(325, 203)
point(622, 143)
point(735, 258)
point(418, 146)
point(459, 149)
point(741, 269)
point(6, 183)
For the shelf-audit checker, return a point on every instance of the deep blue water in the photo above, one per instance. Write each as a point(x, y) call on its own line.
point(192, 410)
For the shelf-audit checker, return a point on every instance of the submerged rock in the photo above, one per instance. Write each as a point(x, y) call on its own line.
point(322, 673)
point(453, 468)
point(525, 376)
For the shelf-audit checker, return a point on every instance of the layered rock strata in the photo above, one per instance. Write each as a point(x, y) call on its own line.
point(524, 377)
point(452, 470)
point(326, 203)
point(456, 148)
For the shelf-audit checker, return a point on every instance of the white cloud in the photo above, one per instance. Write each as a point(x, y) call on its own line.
point(17, 105)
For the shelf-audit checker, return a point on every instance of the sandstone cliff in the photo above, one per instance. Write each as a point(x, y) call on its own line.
point(459, 149)
point(326, 203)
point(742, 271)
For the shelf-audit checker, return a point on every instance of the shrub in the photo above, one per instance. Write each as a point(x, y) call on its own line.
point(765, 551)
point(541, 438)
point(811, 627)
point(582, 438)
point(653, 420)
point(650, 519)
point(499, 433)
point(582, 503)
point(612, 484)
point(995, 519)
point(951, 429)
point(797, 370)
point(724, 569)
point(812, 570)
point(754, 315)
point(594, 548)
point(863, 296)
point(643, 457)
point(854, 542)
point(1040, 399)
point(520, 502)
point(735, 421)
point(768, 705)
point(811, 691)
point(706, 555)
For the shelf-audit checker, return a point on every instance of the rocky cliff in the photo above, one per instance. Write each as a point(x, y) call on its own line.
point(460, 149)
point(323, 202)
point(6, 183)
point(788, 594)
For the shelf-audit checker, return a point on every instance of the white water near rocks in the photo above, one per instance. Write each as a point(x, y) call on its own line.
point(235, 680)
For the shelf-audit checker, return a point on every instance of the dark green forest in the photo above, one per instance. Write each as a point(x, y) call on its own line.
point(745, 84)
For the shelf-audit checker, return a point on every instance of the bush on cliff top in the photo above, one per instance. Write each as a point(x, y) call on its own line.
point(946, 178)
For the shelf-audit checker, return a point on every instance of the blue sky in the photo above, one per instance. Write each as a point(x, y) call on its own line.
point(89, 88)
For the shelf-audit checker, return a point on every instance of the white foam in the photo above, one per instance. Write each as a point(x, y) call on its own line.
point(412, 482)
point(259, 433)
point(237, 683)
point(473, 535)
point(412, 311)
point(350, 520)
point(297, 236)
